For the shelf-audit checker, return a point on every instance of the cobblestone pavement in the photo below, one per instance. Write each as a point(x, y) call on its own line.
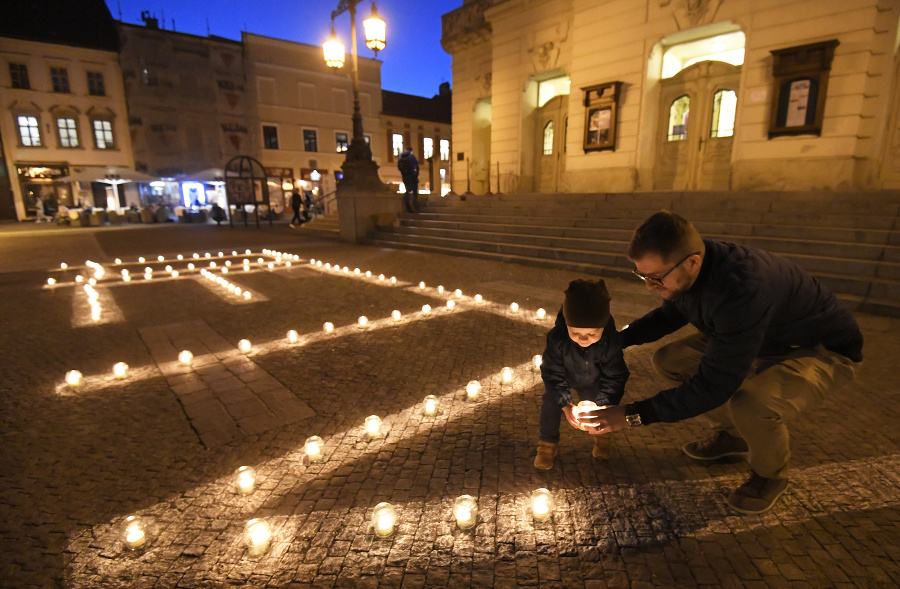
point(163, 442)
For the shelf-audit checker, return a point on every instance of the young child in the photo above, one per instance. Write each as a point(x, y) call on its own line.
point(584, 354)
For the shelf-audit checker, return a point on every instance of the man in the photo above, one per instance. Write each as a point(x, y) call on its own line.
point(297, 206)
point(773, 342)
point(409, 171)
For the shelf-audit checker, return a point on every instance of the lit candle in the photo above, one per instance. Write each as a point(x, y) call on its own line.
point(541, 505)
point(212, 264)
point(191, 266)
point(346, 270)
point(257, 537)
point(63, 265)
point(451, 304)
point(73, 378)
point(384, 517)
point(221, 254)
point(247, 295)
point(134, 532)
point(356, 270)
point(174, 273)
point(393, 280)
point(224, 270)
point(536, 361)
point(465, 509)
point(506, 375)
point(292, 336)
point(514, 307)
point(51, 281)
point(312, 260)
point(247, 252)
point(141, 260)
point(368, 274)
point(196, 256)
point(328, 327)
point(244, 346)
point(126, 278)
point(541, 313)
point(478, 298)
point(373, 426)
point(313, 448)
point(79, 278)
point(458, 293)
point(583, 407)
point(237, 291)
point(271, 265)
point(396, 315)
point(207, 255)
point(288, 263)
point(327, 266)
point(180, 257)
point(441, 289)
point(426, 309)
point(120, 369)
point(363, 322)
point(185, 357)
point(473, 389)
point(431, 405)
point(421, 285)
point(244, 480)
point(381, 277)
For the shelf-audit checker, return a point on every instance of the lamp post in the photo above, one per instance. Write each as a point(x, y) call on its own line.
point(360, 170)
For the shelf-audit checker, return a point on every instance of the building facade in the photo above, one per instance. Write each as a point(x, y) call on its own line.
point(422, 124)
point(622, 96)
point(63, 107)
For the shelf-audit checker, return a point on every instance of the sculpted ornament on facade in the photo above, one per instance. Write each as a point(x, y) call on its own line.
point(544, 46)
point(484, 83)
point(692, 13)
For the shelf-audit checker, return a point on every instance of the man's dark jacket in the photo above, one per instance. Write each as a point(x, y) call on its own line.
point(750, 303)
point(600, 366)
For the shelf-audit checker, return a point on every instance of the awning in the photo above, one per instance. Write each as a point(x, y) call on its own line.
point(108, 174)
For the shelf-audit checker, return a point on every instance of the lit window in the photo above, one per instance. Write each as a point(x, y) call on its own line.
point(724, 106)
point(551, 88)
point(397, 144)
point(548, 138)
point(678, 118)
point(340, 140)
point(96, 87)
point(68, 133)
point(310, 143)
point(103, 135)
point(427, 147)
point(270, 137)
point(29, 131)
point(60, 78)
point(18, 76)
point(445, 150)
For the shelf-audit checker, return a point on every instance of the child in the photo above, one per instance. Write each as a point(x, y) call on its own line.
point(584, 353)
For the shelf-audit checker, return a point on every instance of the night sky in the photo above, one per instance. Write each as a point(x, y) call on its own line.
point(413, 60)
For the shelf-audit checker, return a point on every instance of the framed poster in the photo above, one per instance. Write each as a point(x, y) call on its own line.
point(601, 103)
point(801, 82)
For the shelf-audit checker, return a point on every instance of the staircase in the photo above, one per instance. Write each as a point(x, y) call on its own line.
point(325, 226)
point(851, 241)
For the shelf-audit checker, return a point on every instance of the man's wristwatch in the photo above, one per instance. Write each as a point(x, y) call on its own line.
point(631, 416)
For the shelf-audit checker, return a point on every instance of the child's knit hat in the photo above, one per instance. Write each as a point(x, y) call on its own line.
point(586, 304)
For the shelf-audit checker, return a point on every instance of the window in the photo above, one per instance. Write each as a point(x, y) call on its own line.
point(341, 140)
point(678, 118)
point(29, 132)
point(18, 76)
point(95, 84)
point(548, 138)
point(445, 150)
point(103, 134)
point(68, 133)
point(396, 144)
point(270, 137)
point(60, 78)
point(724, 106)
point(309, 141)
point(427, 147)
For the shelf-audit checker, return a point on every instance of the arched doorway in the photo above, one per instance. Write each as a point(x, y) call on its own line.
point(550, 122)
point(481, 145)
point(697, 109)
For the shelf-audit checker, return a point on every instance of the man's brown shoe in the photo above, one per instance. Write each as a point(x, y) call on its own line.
point(602, 447)
point(546, 452)
point(721, 445)
point(757, 494)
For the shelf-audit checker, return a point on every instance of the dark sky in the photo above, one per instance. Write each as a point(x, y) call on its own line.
point(413, 60)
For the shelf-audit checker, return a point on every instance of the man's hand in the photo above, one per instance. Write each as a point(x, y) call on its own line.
point(567, 410)
point(603, 420)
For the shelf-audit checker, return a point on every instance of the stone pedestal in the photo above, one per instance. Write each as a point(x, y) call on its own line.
point(359, 211)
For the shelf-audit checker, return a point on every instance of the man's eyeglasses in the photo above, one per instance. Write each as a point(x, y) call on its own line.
point(658, 280)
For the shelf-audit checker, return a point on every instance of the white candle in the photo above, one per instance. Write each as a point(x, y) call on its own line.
point(363, 322)
point(426, 309)
point(185, 357)
point(514, 307)
point(356, 270)
point(465, 509)
point(292, 336)
point(373, 426)
point(381, 277)
point(506, 375)
point(393, 280)
point(141, 260)
point(313, 448)
point(247, 295)
point(473, 389)
point(541, 313)
point(63, 265)
point(457, 292)
point(328, 327)
point(478, 298)
point(430, 405)
point(120, 369)
point(257, 537)
point(73, 378)
point(368, 274)
point(421, 285)
point(441, 289)
point(51, 281)
point(134, 532)
point(580, 408)
point(244, 480)
point(244, 346)
point(541, 505)
point(384, 517)
point(451, 304)
point(536, 361)
point(180, 257)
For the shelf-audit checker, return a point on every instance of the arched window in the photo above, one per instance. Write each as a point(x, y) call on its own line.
point(724, 106)
point(548, 138)
point(678, 118)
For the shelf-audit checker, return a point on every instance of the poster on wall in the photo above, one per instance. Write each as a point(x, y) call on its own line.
point(601, 102)
point(798, 102)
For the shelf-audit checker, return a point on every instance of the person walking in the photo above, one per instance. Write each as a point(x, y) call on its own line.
point(772, 342)
point(297, 205)
point(41, 214)
point(409, 171)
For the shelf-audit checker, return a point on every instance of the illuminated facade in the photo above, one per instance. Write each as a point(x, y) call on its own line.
point(593, 96)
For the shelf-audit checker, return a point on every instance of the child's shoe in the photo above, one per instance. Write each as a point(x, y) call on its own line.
point(546, 452)
point(602, 447)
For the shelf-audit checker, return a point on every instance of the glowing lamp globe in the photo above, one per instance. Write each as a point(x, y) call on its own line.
point(73, 378)
point(120, 370)
point(292, 336)
point(373, 426)
point(185, 357)
point(541, 313)
point(334, 52)
point(506, 375)
point(244, 480)
point(244, 346)
point(134, 532)
point(257, 537)
point(375, 31)
point(384, 518)
point(473, 389)
point(313, 448)
point(430, 405)
point(541, 505)
point(465, 510)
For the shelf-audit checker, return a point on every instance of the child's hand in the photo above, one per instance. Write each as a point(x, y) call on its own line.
point(567, 410)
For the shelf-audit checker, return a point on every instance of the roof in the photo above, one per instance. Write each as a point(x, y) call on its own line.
point(436, 109)
point(76, 23)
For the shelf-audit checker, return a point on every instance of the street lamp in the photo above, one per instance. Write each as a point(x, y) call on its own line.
point(360, 170)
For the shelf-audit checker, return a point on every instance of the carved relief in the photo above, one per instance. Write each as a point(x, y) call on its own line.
point(483, 83)
point(693, 13)
point(544, 46)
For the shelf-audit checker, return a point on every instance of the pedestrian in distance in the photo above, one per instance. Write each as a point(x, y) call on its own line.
point(41, 215)
point(297, 205)
point(584, 354)
point(409, 171)
point(772, 342)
